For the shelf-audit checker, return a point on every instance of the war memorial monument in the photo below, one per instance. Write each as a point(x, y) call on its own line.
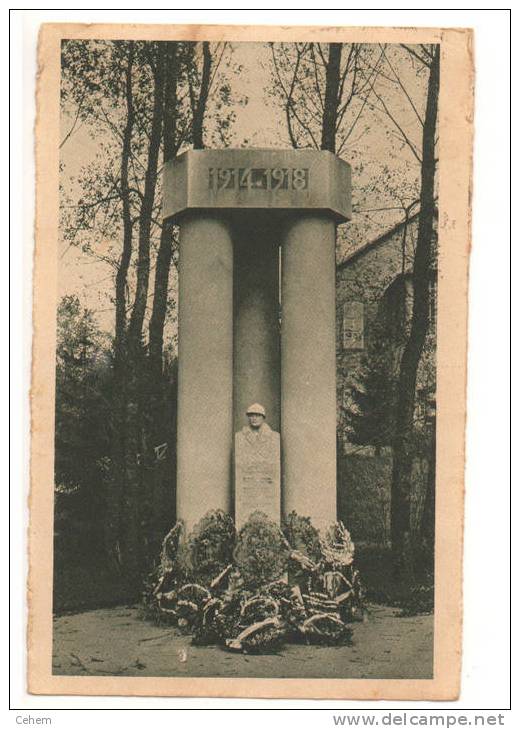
point(257, 330)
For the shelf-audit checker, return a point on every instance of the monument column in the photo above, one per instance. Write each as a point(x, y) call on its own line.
point(205, 393)
point(257, 327)
point(308, 399)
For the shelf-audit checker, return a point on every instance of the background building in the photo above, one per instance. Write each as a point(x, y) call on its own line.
point(374, 299)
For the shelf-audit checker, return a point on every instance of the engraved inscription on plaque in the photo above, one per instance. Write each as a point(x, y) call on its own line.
point(257, 474)
point(258, 178)
point(353, 325)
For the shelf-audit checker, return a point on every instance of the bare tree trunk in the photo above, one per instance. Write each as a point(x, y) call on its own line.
point(145, 218)
point(116, 485)
point(162, 405)
point(200, 109)
point(164, 255)
point(403, 438)
point(124, 263)
point(426, 554)
point(330, 107)
point(135, 495)
point(328, 142)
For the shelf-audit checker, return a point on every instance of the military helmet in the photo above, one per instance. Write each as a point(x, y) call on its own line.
point(256, 409)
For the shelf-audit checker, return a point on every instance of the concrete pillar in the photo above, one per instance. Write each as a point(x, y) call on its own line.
point(308, 400)
point(204, 425)
point(257, 329)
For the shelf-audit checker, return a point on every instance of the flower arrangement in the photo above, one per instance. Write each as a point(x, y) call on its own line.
point(337, 548)
point(302, 535)
point(210, 545)
point(261, 552)
point(257, 590)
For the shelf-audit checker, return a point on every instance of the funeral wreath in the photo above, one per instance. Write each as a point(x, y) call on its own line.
point(255, 590)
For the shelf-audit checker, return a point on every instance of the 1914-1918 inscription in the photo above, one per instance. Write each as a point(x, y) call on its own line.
point(258, 178)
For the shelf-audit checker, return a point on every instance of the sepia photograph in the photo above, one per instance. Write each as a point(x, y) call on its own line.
point(253, 252)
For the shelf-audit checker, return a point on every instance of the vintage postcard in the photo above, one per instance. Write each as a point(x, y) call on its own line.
point(249, 361)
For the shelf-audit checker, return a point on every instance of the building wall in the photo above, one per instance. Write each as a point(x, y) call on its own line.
point(363, 281)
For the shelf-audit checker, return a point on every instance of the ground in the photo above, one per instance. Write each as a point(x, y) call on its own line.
point(116, 641)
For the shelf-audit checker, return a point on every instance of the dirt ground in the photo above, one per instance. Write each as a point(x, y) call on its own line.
point(116, 641)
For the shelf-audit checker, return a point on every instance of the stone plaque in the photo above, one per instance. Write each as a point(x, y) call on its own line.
point(353, 325)
point(257, 473)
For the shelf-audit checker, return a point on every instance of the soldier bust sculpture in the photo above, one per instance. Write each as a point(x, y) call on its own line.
point(257, 428)
point(257, 467)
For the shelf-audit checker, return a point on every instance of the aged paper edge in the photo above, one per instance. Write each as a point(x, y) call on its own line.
point(455, 154)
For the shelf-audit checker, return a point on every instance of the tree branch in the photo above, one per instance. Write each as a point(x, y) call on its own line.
point(74, 123)
point(416, 55)
point(405, 92)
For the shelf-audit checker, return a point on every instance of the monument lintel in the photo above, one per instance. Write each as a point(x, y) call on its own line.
point(257, 179)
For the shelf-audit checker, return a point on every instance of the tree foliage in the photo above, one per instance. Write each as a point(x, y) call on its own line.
point(82, 398)
point(140, 103)
point(349, 99)
point(327, 93)
point(403, 446)
point(82, 437)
